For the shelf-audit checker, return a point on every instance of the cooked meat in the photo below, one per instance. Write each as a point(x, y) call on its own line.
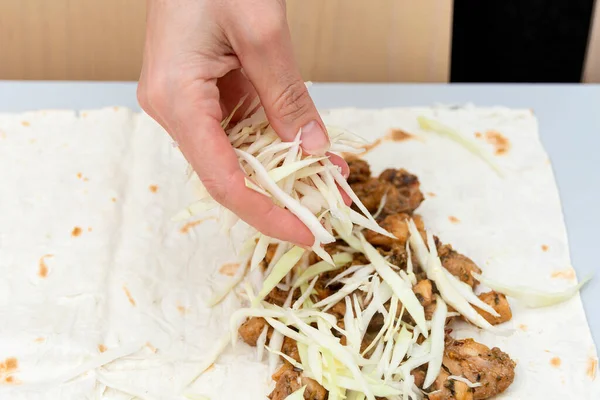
point(251, 330)
point(406, 197)
point(419, 375)
point(360, 171)
point(424, 292)
point(370, 193)
point(359, 259)
point(270, 253)
point(492, 368)
point(397, 225)
point(290, 348)
point(499, 303)
point(449, 389)
point(458, 265)
point(278, 296)
point(397, 255)
point(289, 380)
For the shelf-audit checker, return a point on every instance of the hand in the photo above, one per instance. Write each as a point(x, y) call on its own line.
point(192, 77)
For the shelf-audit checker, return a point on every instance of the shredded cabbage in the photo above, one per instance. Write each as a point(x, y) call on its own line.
point(532, 297)
point(429, 124)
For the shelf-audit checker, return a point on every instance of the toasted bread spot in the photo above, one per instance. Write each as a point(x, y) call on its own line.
point(152, 348)
point(76, 231)
point(523, 327)
point(153, 188)
point(116, 108)
point(501, 144)
point(129, 296)
point(545, 247)
point(555, 362)
point(40, 339)
point(478, 135)
point(84, 114)
point(567, 273)
point(113, 199)
point(453, 219)
point(398, 135)
point(79, 175)
point(43, 268)
point(86, 179)
point(32, 141)
point(189, 225)
point(25, 123)
point(229, 269)
point(182, 310)
point(101, 348)
point(592, 367)
point(431, 194)
point(9, 365)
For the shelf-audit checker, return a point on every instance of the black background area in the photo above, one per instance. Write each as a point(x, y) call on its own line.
point(520, 40)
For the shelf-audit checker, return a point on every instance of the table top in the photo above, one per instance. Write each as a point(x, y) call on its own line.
point(568, 115)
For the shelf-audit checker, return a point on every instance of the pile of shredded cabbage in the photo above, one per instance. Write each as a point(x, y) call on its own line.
point(307, 186)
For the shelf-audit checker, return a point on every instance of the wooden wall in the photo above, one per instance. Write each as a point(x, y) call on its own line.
point(335, 40)
point(591, 71)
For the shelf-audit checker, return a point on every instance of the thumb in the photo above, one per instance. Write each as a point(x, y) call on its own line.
point(269, 64)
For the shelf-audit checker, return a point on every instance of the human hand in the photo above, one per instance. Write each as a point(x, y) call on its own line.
point(192, 77)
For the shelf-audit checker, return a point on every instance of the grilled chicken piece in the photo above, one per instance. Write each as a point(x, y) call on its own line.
point(449, 389)
point(458, 265)
point(405, 195)
point(278, 296)
point(397, 225)
point(492, 368)
point(252, 328)
point(499, 303)
point(424, 292)
point(289, 380)
point(360, 171)
point(290, 348)
point(370, 193)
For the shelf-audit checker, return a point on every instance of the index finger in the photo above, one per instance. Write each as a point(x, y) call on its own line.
point(207, 148)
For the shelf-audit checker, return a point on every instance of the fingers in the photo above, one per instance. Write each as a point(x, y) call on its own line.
point(211, 155)
point(266, 53)
point(232, 88)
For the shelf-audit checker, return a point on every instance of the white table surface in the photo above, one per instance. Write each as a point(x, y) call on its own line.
point(569, 118)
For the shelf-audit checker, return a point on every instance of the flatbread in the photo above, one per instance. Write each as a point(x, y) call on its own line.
point(103, 296)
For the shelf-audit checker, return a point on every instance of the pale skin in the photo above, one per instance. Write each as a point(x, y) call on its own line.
point(200, 58)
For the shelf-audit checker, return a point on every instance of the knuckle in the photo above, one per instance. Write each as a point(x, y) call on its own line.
point(152, 91)
point(292, 102)
point(270, 29)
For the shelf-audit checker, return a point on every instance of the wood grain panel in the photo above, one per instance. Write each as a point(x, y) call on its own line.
point(372, 41)
point(591, 73)
point(334, 40)
point(71, 39)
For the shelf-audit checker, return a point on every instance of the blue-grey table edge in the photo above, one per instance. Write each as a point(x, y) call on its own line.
point(569, 120)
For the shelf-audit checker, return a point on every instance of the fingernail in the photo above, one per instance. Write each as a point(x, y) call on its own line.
point(314, 139)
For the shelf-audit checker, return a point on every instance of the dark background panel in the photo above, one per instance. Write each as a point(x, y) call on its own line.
point(520, 40)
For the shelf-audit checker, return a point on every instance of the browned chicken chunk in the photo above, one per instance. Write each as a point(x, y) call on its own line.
point(370, 193)
point(290, 348)
point(289, 380)
point(449, 389)
point(405, 195)
point(458, 265)
point(478, 363)
point(360, 171)
point(251, 330)
point(499, 303)
point(424, 292)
